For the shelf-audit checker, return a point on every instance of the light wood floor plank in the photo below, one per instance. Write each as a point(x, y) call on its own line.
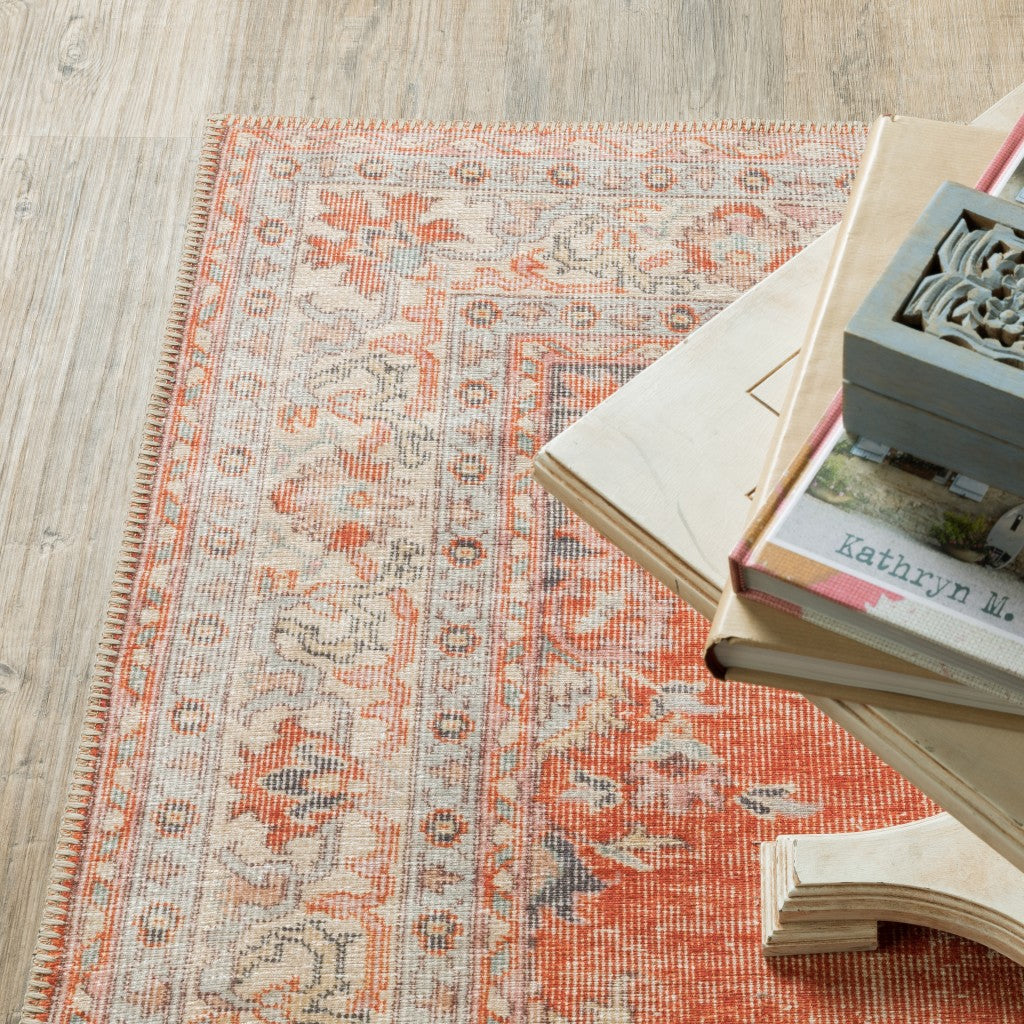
point(136, 67)
point(944, 59)
point(88, 272)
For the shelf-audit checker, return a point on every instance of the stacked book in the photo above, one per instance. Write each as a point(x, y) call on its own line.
point(863, 565)
point(861, 574)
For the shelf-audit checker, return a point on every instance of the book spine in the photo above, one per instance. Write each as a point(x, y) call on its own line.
point(780, 605)
point(713, 664)
point(741, 554)
point(1007, 715)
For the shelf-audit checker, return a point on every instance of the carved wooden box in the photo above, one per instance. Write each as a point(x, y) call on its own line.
point(933, 360)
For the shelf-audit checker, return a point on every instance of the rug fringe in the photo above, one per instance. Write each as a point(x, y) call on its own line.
point(49, 949)
point(263, 122)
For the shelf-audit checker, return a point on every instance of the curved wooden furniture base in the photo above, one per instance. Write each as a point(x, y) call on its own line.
point(826, 893)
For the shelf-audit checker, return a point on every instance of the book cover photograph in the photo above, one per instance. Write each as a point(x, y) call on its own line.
point(899, 553)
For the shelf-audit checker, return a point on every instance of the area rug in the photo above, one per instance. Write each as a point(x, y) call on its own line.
point(381, 733)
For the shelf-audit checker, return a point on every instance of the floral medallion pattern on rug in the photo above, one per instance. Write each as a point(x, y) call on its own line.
point(394, 737)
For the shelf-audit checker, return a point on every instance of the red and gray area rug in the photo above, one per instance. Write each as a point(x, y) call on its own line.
point(383, 734)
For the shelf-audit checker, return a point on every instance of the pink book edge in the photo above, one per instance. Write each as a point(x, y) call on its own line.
point(1010, 152)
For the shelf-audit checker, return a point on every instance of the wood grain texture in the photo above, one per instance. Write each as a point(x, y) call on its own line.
point(137, 67)
point(102, 104)
point(827, 893)
point(86, 268)
point(949, 51)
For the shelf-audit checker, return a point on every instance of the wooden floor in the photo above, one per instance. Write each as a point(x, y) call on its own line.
point(102, 105)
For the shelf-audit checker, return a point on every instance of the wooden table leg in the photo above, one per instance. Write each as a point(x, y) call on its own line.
point(827, 893)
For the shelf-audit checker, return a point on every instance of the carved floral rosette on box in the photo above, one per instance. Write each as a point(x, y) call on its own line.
point(933, 360)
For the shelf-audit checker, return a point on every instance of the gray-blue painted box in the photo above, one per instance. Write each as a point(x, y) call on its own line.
point(933, 360)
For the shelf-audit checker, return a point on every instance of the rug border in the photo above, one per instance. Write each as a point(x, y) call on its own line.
point(50, 943)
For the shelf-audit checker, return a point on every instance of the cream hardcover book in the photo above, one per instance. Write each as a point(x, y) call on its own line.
point(680, 520)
